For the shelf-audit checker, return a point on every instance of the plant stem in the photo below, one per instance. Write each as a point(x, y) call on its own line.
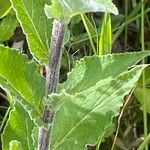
point(143, 75)
point(120, 117)
point(52, 77)
point(145, 142)
point(131, 20)
point(5, 118)
point(89, 34)
point(126, 27)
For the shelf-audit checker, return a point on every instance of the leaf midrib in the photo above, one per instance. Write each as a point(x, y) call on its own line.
point(45, 49)
point(81, 119)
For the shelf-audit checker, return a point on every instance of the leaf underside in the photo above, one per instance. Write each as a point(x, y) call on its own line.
point(65, 9)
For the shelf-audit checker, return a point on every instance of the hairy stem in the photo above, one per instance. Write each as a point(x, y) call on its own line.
point(52, 77)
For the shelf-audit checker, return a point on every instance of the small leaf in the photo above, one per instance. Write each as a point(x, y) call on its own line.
point(5, 7)
point(7, 26)
point(99, 68)
point(19, 127)
point(85, 116)
point(65, 9)
point(36, 26)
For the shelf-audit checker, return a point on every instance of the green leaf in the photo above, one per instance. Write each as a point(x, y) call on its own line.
point(99, 68)
point(65, 9)
point(66, 37)
point(7, 26)
point(138, 92)
point(139, 95)
point(36, 26)
point(23, 77)
point(105, 41)
point(85, 116)
point(19, 128)
point(5, 7)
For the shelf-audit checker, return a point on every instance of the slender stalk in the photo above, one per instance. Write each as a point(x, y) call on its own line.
point(143, 75)
point(126, 26)
point(120, 116)
point(131, 20)
point(52, 77)
point(89, 34)
point(134, 3)
point(4, 119)
point(3, 96)
point(141, 147)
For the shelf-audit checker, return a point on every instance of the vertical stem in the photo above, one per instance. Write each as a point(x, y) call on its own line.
point(52, 77)
point(126, 26)
point(134, 3)
point(143, 75)
point(141, 147)
point(5, 119)
point(120, 116)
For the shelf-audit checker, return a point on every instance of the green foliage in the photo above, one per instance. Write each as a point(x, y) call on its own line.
point(24, 79)
point(88, 114)
point(90, 98)
point(139, 90)
point(20, 128)
point(90, 31)
point(99, 68)
point(35, 25)
point(84, 103)
point(65, 9)
point(5, 7)
point(76, 103)
point(7, 27)
point(105, 41)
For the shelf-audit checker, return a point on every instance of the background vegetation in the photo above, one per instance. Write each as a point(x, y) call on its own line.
point(120, 33)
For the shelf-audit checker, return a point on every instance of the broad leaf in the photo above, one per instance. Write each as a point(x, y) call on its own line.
point(7, 27)
point(99, 68)
point(65, 9)
point(19, 128)
point(5, 7)
point(23, 79)
point(35, 25)
point(84, 117)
